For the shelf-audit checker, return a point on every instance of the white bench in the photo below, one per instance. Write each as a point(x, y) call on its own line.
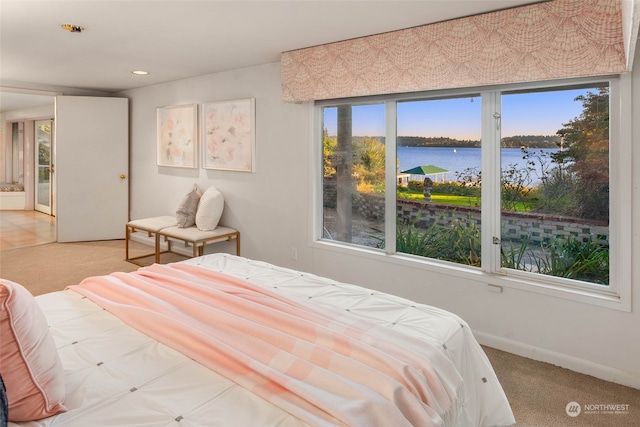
point(198, 239)
point(165, 227)
point(151, 226)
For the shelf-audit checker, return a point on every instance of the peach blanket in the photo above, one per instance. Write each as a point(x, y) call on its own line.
point(322, 366)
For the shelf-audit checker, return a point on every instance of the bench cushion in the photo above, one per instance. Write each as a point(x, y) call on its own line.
point(154, 224)
point(192, 234)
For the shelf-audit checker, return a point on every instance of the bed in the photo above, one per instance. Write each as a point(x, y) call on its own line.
point(115, 375)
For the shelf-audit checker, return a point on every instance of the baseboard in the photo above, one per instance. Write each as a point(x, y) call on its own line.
point(603, 372)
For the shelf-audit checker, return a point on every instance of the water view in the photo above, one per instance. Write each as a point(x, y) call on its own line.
point(456, 160)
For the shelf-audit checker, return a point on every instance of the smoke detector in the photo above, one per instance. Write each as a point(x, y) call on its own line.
point(72, 28)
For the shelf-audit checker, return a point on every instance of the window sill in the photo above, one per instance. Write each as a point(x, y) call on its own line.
point(604, 298)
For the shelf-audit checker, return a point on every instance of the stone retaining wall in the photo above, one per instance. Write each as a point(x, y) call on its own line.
point(517, 225)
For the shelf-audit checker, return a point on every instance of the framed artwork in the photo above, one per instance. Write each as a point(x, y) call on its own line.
point(177, 135)
point(228, 135)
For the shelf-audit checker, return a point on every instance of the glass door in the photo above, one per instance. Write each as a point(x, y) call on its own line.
point(44, 166)
point(17, 141)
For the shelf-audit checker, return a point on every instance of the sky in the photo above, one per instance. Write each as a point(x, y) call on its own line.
point(535, 113)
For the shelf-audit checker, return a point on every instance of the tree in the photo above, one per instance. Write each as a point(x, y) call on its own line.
point(329, 148)
point(343, 164)
point(368, 164)
point(585, 147)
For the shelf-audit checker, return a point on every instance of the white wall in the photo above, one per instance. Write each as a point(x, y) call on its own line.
point(35, 113)
point(268, 207)
point(271, 208)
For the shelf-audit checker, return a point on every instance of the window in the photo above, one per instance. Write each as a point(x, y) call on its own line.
point(438, 147)
point(512, 183)
point(555, 208)
point(354, 174)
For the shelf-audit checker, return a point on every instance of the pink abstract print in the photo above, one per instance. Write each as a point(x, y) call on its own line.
point(228, 135)
point(176, 136)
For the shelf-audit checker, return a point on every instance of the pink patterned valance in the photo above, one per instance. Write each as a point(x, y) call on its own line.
point(551, 40)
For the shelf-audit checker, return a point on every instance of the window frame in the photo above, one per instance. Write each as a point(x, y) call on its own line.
point(615, 296)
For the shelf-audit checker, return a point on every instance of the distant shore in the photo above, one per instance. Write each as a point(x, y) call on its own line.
point(518, 141)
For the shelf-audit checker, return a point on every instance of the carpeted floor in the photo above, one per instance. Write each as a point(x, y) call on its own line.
point(538, 392)
point(53, 266)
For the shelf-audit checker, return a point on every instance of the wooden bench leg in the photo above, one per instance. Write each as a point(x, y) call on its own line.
point(126, 243)
point(198, 240)
point(156, 253)
point(157, 247)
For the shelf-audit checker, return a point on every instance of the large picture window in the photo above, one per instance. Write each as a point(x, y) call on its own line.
point(511, 181)
point(555, 206)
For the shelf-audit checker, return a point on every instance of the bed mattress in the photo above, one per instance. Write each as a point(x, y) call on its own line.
point(117, 376)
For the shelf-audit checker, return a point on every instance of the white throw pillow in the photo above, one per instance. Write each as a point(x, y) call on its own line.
point(188, 207)
point(209, 209)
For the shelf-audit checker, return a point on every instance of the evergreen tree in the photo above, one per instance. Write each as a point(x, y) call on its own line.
point(585, 148)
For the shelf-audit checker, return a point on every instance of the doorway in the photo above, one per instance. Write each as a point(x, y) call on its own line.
point(44, 173)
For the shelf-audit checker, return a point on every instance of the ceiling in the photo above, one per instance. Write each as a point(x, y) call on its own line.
point(173, 40)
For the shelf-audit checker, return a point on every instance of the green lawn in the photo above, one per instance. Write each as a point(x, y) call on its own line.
point(449, 199)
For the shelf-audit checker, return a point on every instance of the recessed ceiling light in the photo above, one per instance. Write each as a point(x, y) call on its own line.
point(140, 72)
point(72, 28)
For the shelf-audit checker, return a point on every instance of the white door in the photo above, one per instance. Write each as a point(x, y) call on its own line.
point(92, 167)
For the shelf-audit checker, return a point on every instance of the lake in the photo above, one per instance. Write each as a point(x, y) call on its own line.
point(459, 159)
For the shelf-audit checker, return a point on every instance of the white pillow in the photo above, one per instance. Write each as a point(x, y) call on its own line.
point(186, 212)
point(209, 209)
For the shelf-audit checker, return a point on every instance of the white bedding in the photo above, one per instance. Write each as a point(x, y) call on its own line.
point(117, 376)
